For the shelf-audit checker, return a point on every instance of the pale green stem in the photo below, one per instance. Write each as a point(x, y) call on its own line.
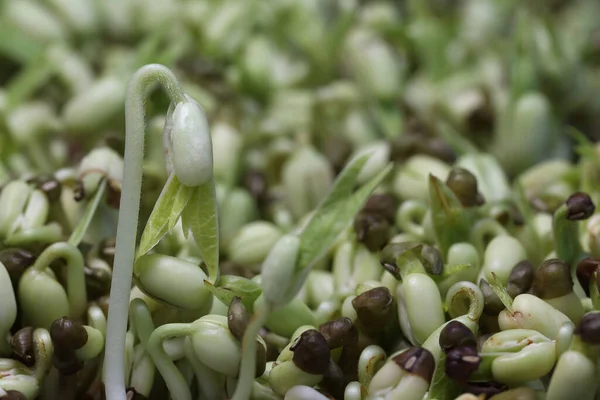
point(248, 365)
point(407, 216)
point(465, 298)
point(84, 223)
point(43, 353)
point(370, 361)
point(483, 229)
point(141, 319)
point(178, 387)
point(137, 91)
point(76, 290)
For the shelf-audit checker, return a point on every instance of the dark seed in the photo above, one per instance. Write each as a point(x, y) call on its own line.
point(417, 361)
point(237, 318)
point(521, 278)
point(553, 279)
point(586, 269)
point(461, 362)
point(579, 206)
point(589, 328)
point(339, 332)
point(456, 334)
point(22, 346)
point(68, 334)
point(372, 230)
point(374, 309)
point(311, 353)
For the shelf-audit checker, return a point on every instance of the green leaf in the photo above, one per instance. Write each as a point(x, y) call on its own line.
point(158, 222)
point(451, 221)
point(184, 194)
point(200, 215)
point(85, 221)
point(442, 387)
point(336, 212)
point(502, 294)
point(231, 286)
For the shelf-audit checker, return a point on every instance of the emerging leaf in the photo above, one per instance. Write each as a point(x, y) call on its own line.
point(158, 222)
point(336, 212)
point(200, 215)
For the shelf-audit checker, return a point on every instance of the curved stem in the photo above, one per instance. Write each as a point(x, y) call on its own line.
point(137, 91)
point(142, 320)
point(248, 365)
point(178, 387)
point(409, 212)
point(483, 228)
point(76, 290)
point(456, 296)
point(43, 353)
point(369, 362)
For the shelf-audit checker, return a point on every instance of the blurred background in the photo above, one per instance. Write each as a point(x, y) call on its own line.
point(517, 79)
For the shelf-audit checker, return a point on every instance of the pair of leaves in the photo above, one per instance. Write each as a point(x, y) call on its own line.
point(336, 212)
point(197, 206)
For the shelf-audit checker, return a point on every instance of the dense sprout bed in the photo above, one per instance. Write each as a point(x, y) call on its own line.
point(299, 199)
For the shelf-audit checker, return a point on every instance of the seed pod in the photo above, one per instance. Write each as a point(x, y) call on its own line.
point(520, 279)
point(191, 144)
point(374, 309)
point(237, 318)
point(373, 230)
point(253, 242)
point(340, 332)
point(22, 346)
point(500, 257)
point(579, 206)
point(493, 304)
point(553, 279)
point(42, 298)
point(311, 353)
point(153, 272)
point(589, 328)
point(212, 340)
point(456, 334)
point(461, 362)
point(464, 185)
